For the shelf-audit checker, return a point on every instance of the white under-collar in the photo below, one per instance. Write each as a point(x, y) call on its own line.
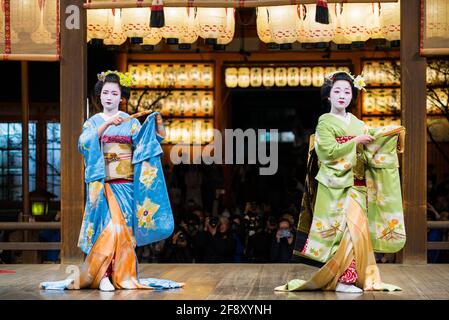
point(346, 118)
point(106, 117)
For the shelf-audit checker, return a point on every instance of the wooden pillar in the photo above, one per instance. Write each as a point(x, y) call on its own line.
point(414, 161)
point(73, 106)
point(25, 143)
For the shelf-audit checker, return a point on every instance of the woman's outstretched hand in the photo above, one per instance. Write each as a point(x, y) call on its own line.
point(364, 139)
point(115, 121)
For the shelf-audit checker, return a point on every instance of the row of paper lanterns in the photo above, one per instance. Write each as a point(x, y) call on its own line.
point(189, 131)
point(349, 23)
point(38, 18)
point(282, 25)
point(245, 77)
point(178, 104)
point(176, 75)
point(183, 26)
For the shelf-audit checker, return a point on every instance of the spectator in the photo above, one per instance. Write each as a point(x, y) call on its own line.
point(178, 249)
point(221, 245)
point(283, 242)
point(259, 245)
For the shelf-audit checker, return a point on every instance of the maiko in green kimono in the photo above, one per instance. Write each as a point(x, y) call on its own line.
point(357, 206)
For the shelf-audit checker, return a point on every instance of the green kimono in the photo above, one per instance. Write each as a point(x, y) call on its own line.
point(341, 164)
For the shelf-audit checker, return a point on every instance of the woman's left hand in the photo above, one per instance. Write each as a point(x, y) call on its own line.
point(160, 125)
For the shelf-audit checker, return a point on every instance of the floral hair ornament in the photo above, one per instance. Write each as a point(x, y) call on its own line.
point(359, 81)
point(126, 79)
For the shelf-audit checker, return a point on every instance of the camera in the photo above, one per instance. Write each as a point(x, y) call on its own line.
point(285, 233)
point(213, 222)
point(181, 236)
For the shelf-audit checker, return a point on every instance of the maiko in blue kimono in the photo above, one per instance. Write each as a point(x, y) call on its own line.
point(126, 196)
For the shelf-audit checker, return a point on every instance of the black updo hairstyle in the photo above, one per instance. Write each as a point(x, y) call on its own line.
point(113, 78)
point(329, 83)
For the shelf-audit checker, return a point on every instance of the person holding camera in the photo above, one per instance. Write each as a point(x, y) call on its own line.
point(220, 243)
point(178, 249)
point(259, 245)
point(283, 242)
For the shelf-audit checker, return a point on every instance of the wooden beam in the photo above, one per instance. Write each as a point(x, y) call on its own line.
point(30, 246)
point(213, 3)
point(29, 225)
point(73, 106)
point(438, 224)
point(25, 142)
point(414, 160)
point(29, 57)
point(437, 245)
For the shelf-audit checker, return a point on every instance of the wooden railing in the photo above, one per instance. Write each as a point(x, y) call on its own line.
point(438, 245)
point(29, 246)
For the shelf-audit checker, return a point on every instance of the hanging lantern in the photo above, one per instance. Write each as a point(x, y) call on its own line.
point(284, 23)
point(228, 34)
point(256, 77)
point(24, 15)
point(176, 20)
point(195, 104)
point(207, 103)
point(116, 37)
point(231, 77)
point(390, 21)
point(264, 29)
point(309, 30)
point(211, 23)
point(135, 23)
point(97, 25)
point(194, 75)
point(158, 75)
point(376, 29)
point(243, 77)
point(268, 77)
point(146, 75)
point(190, 34)
point(151, 39)
point(317, 76)
point(42, 35)
point(182, 76)
point(293, 77)
point(172, 104)
point(280, 77)
point(207, 77)
point(354, 23)
point(169, 76)
point(305, 76)
point(329, 70)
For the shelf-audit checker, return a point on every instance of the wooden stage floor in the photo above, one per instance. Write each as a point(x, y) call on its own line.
point(228, 282)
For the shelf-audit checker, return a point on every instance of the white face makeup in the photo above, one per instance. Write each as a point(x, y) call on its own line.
point(110, 97)
point(340, 95)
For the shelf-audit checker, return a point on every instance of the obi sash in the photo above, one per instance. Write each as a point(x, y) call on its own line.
point(117, 151)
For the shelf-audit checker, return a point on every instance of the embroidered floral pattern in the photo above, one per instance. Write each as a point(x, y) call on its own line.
point(94, 192)
point(148, 174)
point(145, 213)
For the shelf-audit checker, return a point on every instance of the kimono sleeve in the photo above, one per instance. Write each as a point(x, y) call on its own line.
point(153, 220)
point(328, 149)
point(89, 147)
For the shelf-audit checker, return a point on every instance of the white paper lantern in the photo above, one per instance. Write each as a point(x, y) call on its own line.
point(280, 77)
point(176, 24)
point(97, 24)
point(293, 76)
point(256, 79)
point(305, 76)
point(268, 77)
point(284, 23)
point(191, 32)
point(390, 20)
point(263, 26)
point(182, 76)
point(207, 76)
point(211, 23)
point(116, 37)
point(194, 75)
point(231, 77)
point(354, 22)
point(228, 34)
point(243, 77)
point(309, 30)
point(135, 23)
point(317, 76)
point(152, 38)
